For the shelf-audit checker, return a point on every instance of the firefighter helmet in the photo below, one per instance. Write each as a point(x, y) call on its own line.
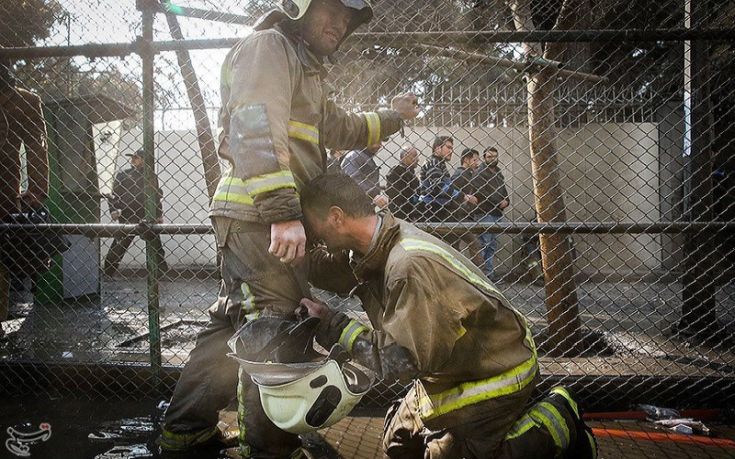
point(305, 397)
point(295, 9)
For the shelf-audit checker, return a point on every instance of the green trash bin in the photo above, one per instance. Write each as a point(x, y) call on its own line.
point(74, 195)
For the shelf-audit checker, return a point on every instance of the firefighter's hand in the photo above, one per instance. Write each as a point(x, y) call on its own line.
point(406, 104)
point(315, 308)
point(288, 241)
point(115, 215)
point(503, 204)
point(331, 323)
point(470, 199)
point(31, 200)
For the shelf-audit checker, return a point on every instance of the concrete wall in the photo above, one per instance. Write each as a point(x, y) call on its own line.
point(609, 173)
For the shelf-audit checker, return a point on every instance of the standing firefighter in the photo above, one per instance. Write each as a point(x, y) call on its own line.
point(277, 123)
point(437, 320)
point(21, 123)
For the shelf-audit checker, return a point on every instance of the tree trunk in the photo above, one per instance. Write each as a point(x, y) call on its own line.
point(561, 296)
point(205, 139)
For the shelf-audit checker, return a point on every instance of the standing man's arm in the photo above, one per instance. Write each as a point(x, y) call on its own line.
point(35, 141)
point(159, 202)
point(352, 131)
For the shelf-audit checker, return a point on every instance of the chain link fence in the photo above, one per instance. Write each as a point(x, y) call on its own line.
point(607, 220)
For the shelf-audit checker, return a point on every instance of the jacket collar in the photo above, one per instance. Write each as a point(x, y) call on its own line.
point(373, 261)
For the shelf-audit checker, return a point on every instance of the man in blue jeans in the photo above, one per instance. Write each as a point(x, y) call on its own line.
point(492, 199)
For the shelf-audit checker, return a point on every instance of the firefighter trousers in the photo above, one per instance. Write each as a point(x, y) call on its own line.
point(498, 428)
point(254, 284)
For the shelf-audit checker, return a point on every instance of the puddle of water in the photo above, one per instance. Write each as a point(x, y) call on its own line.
point(126, 452)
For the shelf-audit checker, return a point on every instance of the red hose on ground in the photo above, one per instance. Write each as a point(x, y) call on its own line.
point(663, 437)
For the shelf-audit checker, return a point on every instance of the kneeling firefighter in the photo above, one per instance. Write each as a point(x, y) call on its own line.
point(438, 321)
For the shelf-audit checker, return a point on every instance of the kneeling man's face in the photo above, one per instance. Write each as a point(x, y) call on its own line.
point(325, 229)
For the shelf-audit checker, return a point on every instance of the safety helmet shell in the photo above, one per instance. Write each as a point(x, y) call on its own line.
point(314, 395)
point(296, 9)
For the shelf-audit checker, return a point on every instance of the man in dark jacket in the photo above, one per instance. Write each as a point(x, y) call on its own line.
point(127, 205)
point(441, 197)
point(463, 180)
point(492, 200)
point(403, 184)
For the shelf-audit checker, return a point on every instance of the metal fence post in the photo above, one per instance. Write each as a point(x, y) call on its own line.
point(152, 248)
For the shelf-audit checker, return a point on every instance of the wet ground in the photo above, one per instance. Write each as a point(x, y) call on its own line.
point(627, 335)
point(125, 429)
point(629, 321)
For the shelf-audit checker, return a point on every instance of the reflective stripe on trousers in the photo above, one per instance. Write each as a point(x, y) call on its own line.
point(172, 441)
point(546, 416)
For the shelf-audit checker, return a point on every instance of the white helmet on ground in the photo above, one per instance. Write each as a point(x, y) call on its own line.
point(304, 397)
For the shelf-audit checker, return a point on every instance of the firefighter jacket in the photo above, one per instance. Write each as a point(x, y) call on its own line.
point(467, 342)
point(21, 122)
point(276, 122)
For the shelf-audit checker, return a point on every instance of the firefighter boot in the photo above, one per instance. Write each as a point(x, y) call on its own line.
point(584, 445)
